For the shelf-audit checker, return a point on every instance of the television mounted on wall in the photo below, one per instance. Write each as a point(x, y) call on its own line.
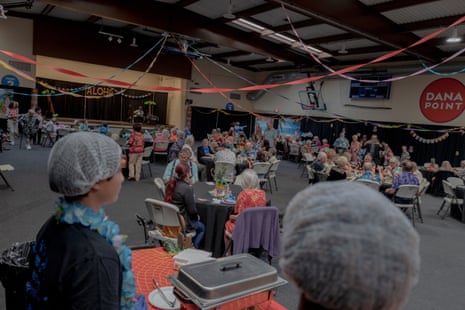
point(375, 90)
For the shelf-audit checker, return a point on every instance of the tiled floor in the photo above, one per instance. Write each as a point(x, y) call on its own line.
point(23, 211)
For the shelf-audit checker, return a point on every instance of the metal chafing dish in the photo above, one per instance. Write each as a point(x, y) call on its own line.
point(212, 283)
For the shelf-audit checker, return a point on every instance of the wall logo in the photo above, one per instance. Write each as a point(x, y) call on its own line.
point(443, 100)
point(10, 80)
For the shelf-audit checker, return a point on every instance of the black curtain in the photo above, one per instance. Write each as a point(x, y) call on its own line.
point(114, 108)
point(452, 148)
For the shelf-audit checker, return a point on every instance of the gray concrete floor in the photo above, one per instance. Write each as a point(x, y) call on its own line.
point(23, 211)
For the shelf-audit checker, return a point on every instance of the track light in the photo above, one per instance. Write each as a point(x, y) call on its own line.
point(119, 40)
point(134, 44)
point(2, 12)
point(110, 38)
point(343, 49)
point(229, 14)
point(454, 38)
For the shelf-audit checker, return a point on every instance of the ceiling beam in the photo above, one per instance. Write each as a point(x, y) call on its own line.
point(231, 54)
point(165, 17)
point(431, 23)
point(353, 16)
point(397, 4)
point(47, 9)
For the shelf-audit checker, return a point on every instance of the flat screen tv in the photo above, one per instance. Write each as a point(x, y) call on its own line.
point(364, 90)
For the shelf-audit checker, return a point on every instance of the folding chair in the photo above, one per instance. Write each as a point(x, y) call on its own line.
point(449, 199)
point(421, 192)
point(370, 183)
point(162, 214)
point(258, 229)
point(455, 181)
point(4, 168)
point(225, 168)
point(405, 198)
point(160, 148)
point(262, 169)
point(159, 188)
point(272, 174)
point(146, 158)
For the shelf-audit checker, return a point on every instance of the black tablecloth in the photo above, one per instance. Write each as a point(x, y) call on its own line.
point(213, 215)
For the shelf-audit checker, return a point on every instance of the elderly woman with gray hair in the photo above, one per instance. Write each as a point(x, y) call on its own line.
point(350, 251)
point(251, 196)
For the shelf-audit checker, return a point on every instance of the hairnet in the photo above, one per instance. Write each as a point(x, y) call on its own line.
point(79, 160)
point(348, 247)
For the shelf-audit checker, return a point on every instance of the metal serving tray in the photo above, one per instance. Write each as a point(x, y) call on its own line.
point(212, 283)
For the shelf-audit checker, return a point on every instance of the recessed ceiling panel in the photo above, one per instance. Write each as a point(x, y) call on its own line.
point(429, 10)
point(216, 9)
point(278, 17)
point(317, 31)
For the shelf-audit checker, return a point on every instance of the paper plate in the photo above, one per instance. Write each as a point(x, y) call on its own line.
point(158, 301)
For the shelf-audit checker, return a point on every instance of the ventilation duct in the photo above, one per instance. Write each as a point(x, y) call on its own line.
point(275, 78)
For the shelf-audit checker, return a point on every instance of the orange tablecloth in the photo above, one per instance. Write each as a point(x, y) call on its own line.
point(151, 263)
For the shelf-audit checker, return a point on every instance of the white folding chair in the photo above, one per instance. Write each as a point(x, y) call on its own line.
point(159, 188)
point(146, 158)
point(306, 160)
point(370, 183)
point(405, 198)
point(5, 168)
point(421, 192)
point(294, 151)
point(161, 214)
point(226, 169)
point(455, 181)
point(262, 169)
point(449, 199)
point(160, 148)
point(272, 175)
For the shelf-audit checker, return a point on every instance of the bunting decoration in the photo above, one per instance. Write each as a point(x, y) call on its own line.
point(429, 141)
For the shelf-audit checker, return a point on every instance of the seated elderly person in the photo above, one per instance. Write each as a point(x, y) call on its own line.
point(461, 170)
point(340, 170)
point(406, 177)
point(369, 173)
point(184, 156)
point(393, 169)
point(319, 163)
point(350, 251)
point(444, 172)
point(251, 196)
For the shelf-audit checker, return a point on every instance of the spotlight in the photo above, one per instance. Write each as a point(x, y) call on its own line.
point(119, 40)
point(110, 38)
point(454, 38)
point(134, 44)
point(229, 14)
point(343, 49)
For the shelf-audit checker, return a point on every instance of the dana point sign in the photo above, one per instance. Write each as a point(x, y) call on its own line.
point(443, 100)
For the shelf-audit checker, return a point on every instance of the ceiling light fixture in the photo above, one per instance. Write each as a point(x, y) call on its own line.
point(2, 12)
point(343, 49)
point(229, 14)
point(134, 44)
point(119, 40)
point(454, 38)
point(110, 38)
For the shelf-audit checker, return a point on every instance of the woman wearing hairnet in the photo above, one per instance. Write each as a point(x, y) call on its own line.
point(79, 260)
point(353, 250)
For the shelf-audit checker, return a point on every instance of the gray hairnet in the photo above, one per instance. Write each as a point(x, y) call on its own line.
point(79, 160)
point(348, 247)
